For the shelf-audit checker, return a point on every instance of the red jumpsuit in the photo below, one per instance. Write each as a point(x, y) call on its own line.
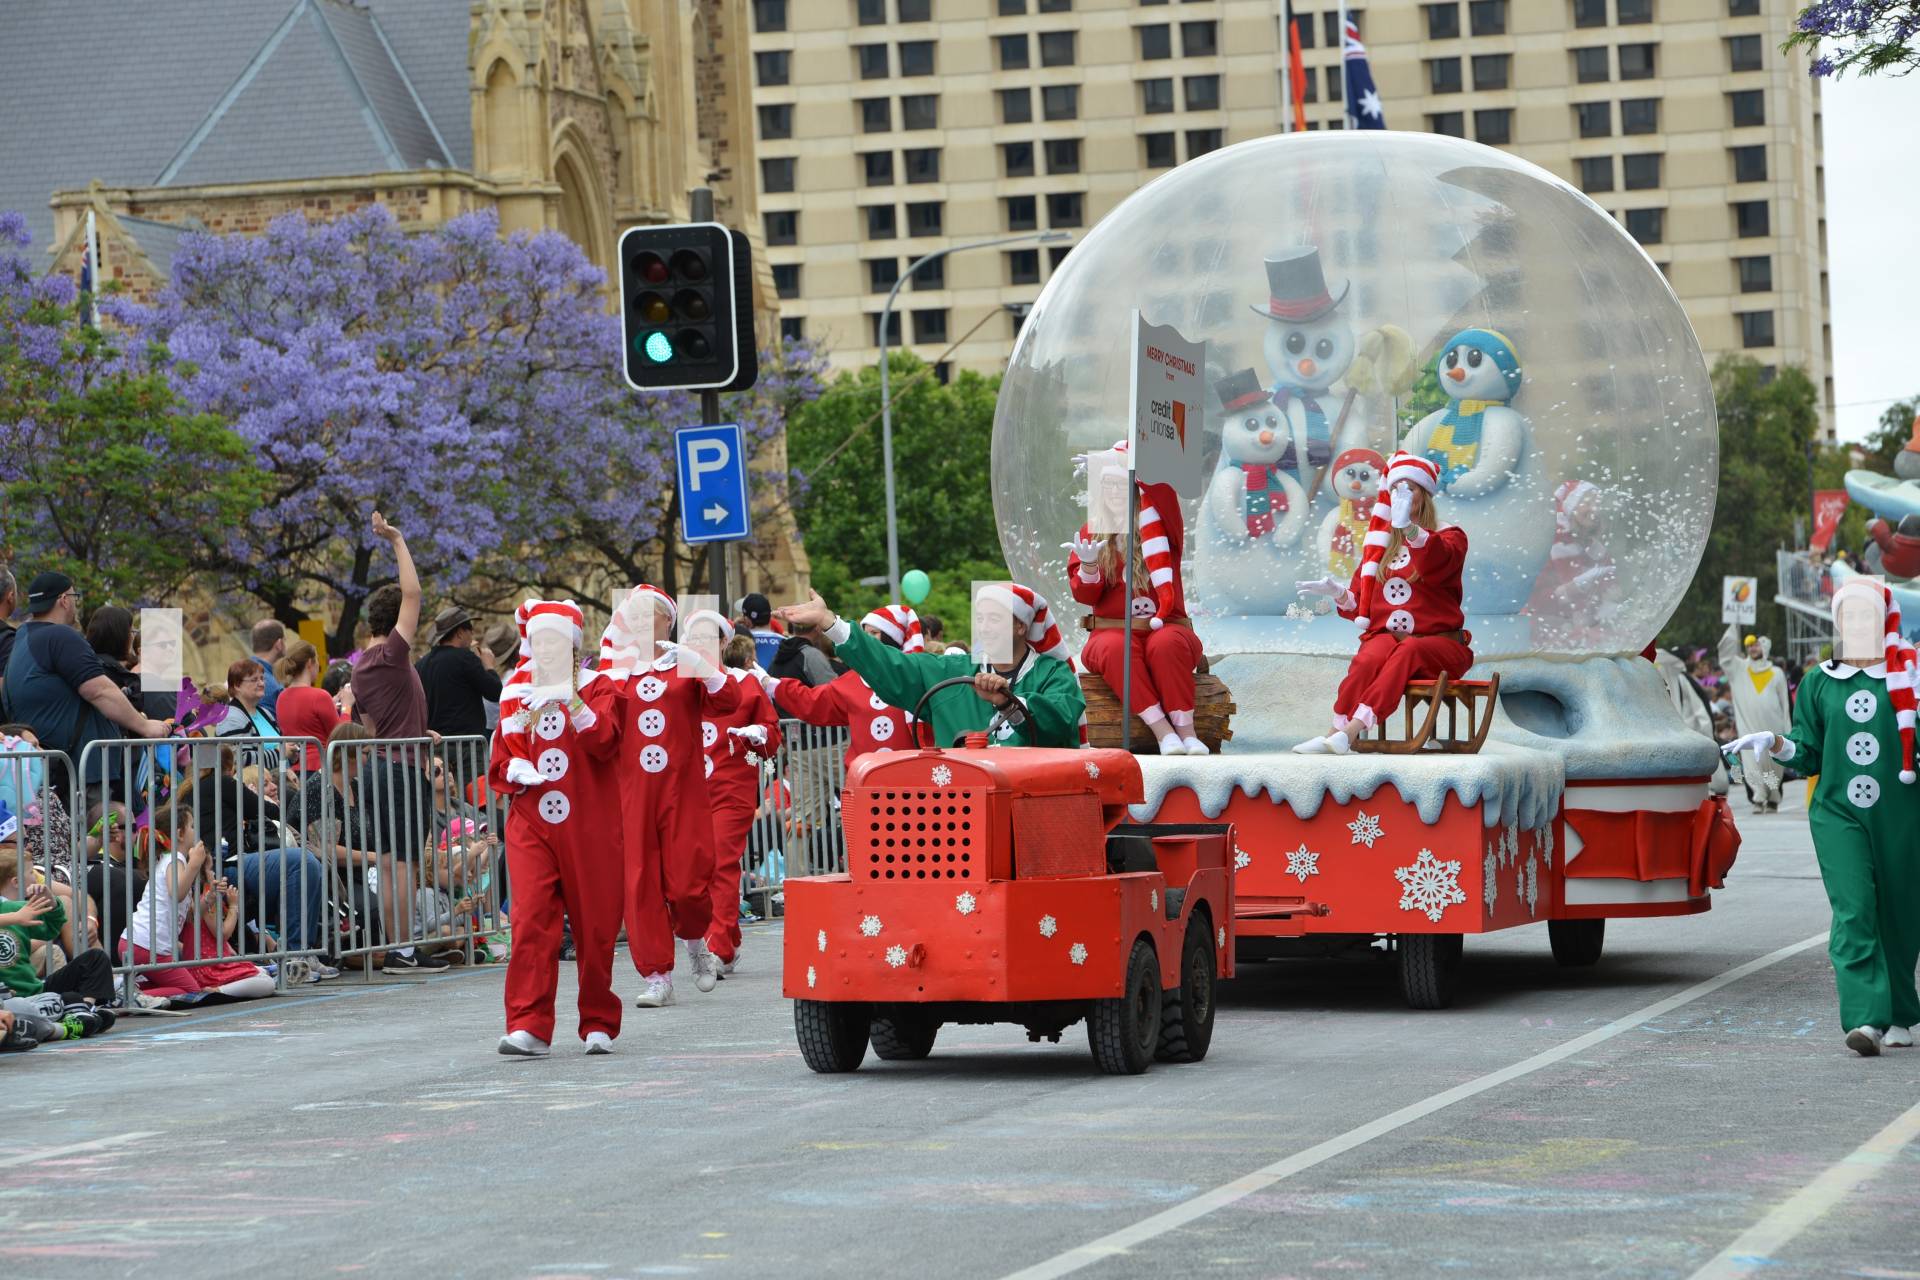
point(733, 787)
point(1416, 631)
point(1163, 660)
point(560, 859)
point(871, 724)
point(663, 795)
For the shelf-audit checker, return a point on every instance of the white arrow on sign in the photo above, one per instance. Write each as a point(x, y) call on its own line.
point(715, 513)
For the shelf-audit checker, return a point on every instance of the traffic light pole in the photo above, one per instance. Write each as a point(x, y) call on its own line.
point(700, 207)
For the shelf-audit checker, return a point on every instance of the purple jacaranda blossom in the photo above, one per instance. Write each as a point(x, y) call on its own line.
point(1867, 36)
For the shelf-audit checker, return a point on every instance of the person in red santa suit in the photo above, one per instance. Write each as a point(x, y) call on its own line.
point(871, 724)
point(1570, 598)
point(1405, 598)
point(1166, 651)
point(736, 742)
point(553, 756)
point(662, 703)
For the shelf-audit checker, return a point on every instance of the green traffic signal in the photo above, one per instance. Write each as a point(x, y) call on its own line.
point(659, 347)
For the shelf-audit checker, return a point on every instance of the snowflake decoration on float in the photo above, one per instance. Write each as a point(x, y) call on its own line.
point(1048, 926)
point(1241, 859)
point(1303, 862)
point(1077, 953)
point(1220, 937)
point(965, 904)
point(821, 939)
point(896, 956)
point(1153, 899)
point(1365, 828)
point(1490, 881)
point(870, 926)
point(942, 775)
point(1429, 886)
point(1530, 889)
point(1093, 769)
point(813, 979)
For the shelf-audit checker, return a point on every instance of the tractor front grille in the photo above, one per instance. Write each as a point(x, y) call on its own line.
point(915, 835)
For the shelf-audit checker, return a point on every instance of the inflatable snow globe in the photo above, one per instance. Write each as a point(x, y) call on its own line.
point(1362, 292)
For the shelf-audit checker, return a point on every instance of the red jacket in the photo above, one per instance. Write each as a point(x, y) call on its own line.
point(871, 723)
point(728, 768)
point(1419, 593)
point(1163, 540)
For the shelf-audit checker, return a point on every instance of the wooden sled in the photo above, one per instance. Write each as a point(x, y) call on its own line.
point(1475, 697)
point(1212, 714)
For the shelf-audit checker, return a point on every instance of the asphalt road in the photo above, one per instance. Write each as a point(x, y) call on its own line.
point(1688, 1095)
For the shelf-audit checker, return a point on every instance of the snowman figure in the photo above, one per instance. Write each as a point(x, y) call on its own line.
point(1489, 472)
point(1355, 482)
point(1309, 346)
point(1253, 497)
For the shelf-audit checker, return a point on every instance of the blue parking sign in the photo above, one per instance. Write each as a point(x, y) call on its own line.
point(713, 483)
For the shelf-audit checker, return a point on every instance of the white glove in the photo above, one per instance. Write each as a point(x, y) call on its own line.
point(522, 773)
point(767, 681)
point(1755, 743)
point(687, 659)
point(1088, 549)
point(754, 733)
point(1327, 587)
point(1401, 505)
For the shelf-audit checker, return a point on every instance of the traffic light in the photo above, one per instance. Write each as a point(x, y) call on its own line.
point(686, 308)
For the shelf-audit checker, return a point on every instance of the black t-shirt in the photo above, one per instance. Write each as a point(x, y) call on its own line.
point(457, 685)
point(48, 663)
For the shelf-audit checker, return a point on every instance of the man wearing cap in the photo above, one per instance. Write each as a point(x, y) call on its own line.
point(1759, 691)
point(458, 680)
point(759, 615)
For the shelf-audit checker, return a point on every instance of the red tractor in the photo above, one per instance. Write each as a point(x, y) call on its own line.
point(1006, 885)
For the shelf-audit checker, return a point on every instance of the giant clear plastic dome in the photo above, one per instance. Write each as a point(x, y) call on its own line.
point(1361, 292)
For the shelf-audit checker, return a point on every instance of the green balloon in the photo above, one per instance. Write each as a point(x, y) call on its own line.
point(914, 585)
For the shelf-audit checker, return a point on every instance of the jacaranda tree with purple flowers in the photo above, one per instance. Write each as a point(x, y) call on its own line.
point(1867, 36)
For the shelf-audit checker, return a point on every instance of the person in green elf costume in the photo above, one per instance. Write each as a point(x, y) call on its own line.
point(1853, 724)
point(1032, 699)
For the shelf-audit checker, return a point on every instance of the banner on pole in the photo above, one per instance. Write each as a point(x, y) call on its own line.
point(1740, 600)
point(1168, 390)
point(1828, 506)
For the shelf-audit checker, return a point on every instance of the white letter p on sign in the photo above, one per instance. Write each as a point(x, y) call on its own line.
point(705, 456)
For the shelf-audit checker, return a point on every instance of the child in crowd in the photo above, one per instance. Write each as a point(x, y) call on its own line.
point(116, 868)
point(34, 913)
point(188, 914)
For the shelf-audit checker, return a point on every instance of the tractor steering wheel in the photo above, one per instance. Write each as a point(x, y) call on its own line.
point(932, 689)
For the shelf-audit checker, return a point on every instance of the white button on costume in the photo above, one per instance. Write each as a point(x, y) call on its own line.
point(709, 733)
point(1397, 591)
point(1861, 705)
point(881, 728)
point(551, 724)
point(554, 807)
point(653, 722)
point(651, 688)
point(1863, 749)
point(1400, 622)
point(653, 757)
point(1863, 792)
point(552, 764)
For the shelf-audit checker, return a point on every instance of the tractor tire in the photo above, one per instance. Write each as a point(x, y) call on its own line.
point(1577, 943)
point(1186, 1012)
point(1429, 968)
point(832, 1036)
point(902, 1036)
point(1123, 1032)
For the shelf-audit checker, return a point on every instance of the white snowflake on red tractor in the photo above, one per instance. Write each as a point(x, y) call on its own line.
point(1429, 886)
point(1303, 862)
point(1365, 828)
point(870, 926)
point(1077, 953)
point(896, 956)
point(965, 904)
point(942, 775)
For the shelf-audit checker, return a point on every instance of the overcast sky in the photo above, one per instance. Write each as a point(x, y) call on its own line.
point(1872, 138)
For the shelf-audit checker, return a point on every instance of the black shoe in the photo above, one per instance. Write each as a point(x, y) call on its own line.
point(92, 1020)
point(415, 963)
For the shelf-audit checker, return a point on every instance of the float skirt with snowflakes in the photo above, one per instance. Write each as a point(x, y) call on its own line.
point(1414, 628)
point(733, 790)
point(1863, 817)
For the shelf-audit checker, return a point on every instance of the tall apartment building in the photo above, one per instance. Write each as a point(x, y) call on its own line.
point(891, 128)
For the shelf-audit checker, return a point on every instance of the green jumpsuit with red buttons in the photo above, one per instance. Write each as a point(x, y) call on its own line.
point(1866, 834)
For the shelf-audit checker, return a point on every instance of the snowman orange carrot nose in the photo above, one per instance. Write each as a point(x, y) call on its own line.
point(1307, 368)
point(1457, 374)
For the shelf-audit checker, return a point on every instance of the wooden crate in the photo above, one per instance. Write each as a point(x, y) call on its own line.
point(1212, 715)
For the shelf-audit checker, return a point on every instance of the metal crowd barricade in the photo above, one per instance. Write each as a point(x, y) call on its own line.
point(260, 894)
point(30, 783)
point(796, 830)
point(412, 835)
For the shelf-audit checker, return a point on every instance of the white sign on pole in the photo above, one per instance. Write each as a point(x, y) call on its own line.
point(1740, 600)
point(1169, 383)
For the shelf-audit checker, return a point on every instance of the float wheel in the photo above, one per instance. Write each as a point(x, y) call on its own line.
point(903, 1035)
point(1577, 943)
point(832, 1036)
point(1429, 968)
point(1124, 1031)
point(1186, 1012)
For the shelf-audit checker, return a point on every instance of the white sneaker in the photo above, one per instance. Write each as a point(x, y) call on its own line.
point(1338, 743)
point(1898, 1038)
point(1194, 747)
point(659, 992)
point(1170, 745)
point(523, 1044)
point(599, 1042)
point(706, 970)
point(1312, 747)
point(1865, 1041)
point(727, 968)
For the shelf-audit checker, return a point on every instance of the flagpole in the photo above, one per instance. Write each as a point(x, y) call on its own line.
point(92, 251)
point(1286, 67)
point(1346, 86)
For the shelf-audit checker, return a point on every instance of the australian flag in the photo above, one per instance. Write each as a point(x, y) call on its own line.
point(1363, 100)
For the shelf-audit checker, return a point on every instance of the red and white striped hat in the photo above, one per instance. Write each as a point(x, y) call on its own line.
point(532, 618)
point(1901, 672)
point(719, 620)
point(899, 624)
point(1030, 607)
point(620, 646)
point(1401, 466)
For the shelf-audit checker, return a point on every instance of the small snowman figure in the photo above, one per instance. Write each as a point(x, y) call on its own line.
point(1355, 482)
point(1252, 496)
point(1309, 347)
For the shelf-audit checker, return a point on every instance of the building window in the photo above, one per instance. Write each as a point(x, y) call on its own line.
point(878, 166)
point(1058, 255)
point(1756, 274)
point(1012, 8)
point(1156, 96)
point(1066, 209)
point(1156, 42)
point(876, 115)
point(1309, 87)
point(1443, 20)
point(1493, 127)
point(922, 164)
point(926, 219)
point(1589, 13)
point(1748, 107)
point(793, 328)
point(1749, 164)
point(893, 328)
point(1743, 8)
point(882, 274)
point(1451, 123)
point(786, 279)
point(1063, 155)
point(1490, 70)
point(776, 121)
point(1303, 30)
point(1743, 53)
point(1640, 172)
point(1056, 48)
point(1590, 64)
point(916, 57)
point(1596, 173)
point(870, 13)
point(920, 111)
point(1023, 212)
point(932, 275)
point(1636, 62)
point(771, 67)
point(1639, 115)
point(1202, 92)
point(1023, 266)
point(1199, 39)
point(873, 61)
point(1016, 159)
point(1487, 17)
point(1056, 6)
point(1330, 22)
point(1060, 102)
point(1159, 150)
point(916, 10)
point(1595, 119)
point(1016, 106)
point(1199, 142)
point(1443, 75)
point(1756, 328)
point(1014, 53)
point(1647, 226)
point(1750, 218)
point(1631, 13)
point(880, 222)
point(783, 227)
point(776, 175)
point(769, 15)
point(1336, 81)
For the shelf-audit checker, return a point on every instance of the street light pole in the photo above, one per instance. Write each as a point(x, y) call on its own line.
point(886, 402)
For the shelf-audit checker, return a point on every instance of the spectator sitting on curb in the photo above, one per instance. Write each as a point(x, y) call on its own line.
point(281, 882)
point(304, 711)
point(188, 914)
point(35, 914)
point(269, 644)
point(116, 871)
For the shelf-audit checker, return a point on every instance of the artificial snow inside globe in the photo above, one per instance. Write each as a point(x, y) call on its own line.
point(1362, 292)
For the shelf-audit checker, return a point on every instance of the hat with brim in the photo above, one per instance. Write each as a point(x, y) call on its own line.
point(448, 621)
point(1297, 290)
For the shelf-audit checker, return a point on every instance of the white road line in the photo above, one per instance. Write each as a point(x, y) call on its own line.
point(78, 1148)
point(1200, 1206)
point(1756, 1247)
